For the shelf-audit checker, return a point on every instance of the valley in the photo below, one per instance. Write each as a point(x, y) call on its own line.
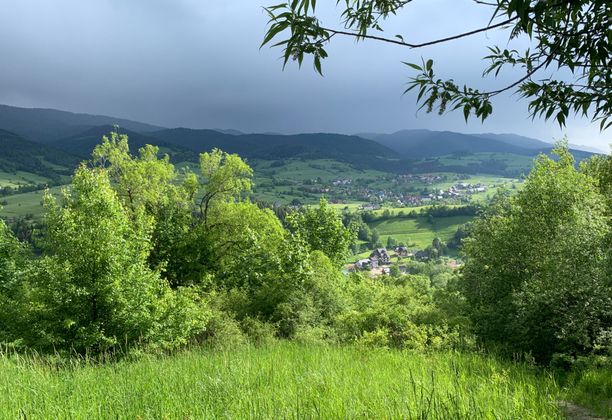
point(419, 227)
point(390, 182)
point(410, 199)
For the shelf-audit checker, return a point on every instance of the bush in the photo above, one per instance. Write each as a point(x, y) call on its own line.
point(535, 277)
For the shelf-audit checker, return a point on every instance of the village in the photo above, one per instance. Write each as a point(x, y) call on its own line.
point(383, 262)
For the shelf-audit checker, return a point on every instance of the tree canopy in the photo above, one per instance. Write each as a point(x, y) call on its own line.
point(536, 276)
point(568, 38)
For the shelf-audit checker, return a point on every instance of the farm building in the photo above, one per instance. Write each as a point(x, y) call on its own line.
point(379, 257)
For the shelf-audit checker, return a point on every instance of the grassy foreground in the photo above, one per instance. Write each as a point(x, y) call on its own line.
point(279, 381)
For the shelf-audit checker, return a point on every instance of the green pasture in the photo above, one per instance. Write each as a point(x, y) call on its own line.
point(20, 178)
point(26, 203)
point(282, 380)
point(419, 232)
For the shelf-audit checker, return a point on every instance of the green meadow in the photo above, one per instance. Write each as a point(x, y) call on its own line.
point(20, 178)
point(419, 231)
point(26, 203)
point(282, 380)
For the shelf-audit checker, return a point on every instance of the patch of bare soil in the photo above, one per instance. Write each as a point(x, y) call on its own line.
point(576, 412)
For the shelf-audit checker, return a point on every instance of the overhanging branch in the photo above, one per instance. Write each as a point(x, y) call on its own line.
point(421, 45)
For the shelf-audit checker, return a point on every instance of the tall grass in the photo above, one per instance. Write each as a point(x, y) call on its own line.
point(283, 380)
point(591, 387)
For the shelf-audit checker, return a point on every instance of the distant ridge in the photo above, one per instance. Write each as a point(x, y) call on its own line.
point(419, 144)
point(351, 149)
point(46, 125)
point(401, 152)
point(82, 144)
point(516, 140)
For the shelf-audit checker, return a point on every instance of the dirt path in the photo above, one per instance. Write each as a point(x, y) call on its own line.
point(575, 412)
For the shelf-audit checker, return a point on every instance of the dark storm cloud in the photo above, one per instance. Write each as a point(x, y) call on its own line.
point(197, 63)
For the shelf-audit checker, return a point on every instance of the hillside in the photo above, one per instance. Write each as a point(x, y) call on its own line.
point(407, 151)
point(46, 125)
point(21, 155)
point(351, 149)
point(419, 144)
point(82, 144)
point(516, 140)
point(423, 144)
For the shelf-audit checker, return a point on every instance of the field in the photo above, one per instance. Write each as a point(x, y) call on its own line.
point(26, 203)
point(20, 178)
point(282, 380)
point(419, 231)
point(306, 181)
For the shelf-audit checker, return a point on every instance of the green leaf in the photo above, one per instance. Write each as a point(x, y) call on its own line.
point(414, 66)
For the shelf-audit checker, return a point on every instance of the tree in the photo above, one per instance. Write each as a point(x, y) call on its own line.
point(14, 263)
point(375, 239)
point(226, 177)
point(571, 37)
point(149, 187)
point(322, 229)
point(439, 246)
point(600, 168)
point(93, 289)
point(535, 273)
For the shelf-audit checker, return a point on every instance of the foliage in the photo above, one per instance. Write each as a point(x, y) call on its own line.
point(149, 187)
point(600, 168)
point(226, 177)
point(569, 37)
point(13, 268)
point(403, 314)
point(322, 230)
point(92, 289)
point(535, 276)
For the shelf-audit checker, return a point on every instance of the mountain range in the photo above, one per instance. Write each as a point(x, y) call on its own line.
point(59, 139)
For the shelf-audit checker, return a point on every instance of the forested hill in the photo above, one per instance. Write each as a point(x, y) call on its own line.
point(46, 125)
point(82, 144)
point(404, 151)
point(276, 146)
point(419, 144)
point(19, 154)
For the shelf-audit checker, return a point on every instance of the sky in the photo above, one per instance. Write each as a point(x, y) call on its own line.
point(198, 64)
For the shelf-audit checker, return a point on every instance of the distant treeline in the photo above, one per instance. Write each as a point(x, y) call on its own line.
point(434, 211)
point(21, 189)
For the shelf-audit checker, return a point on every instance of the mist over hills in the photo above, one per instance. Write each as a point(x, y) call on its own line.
point(427, 143)
point(71, 137)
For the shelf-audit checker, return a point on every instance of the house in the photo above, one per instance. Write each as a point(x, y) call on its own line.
point(370, 207)
point(421, 256)
point(363, 264)
point(380, 256)
point(402, 251)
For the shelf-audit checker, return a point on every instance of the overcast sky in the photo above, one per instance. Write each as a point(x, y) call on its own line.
point(197, 63)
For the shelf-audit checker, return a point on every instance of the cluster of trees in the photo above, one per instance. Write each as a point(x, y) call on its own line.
point(430, 213)
point(538, 275)
point(136, 253)
point(20, 189)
